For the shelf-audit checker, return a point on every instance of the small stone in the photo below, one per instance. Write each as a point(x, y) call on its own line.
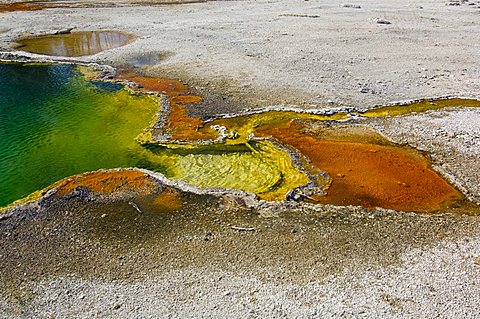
point(208, 236)
point(382, 21)
point(64, 31)
point(364, 90)
point(117, 306)
point(477, 261)
point(352, 6)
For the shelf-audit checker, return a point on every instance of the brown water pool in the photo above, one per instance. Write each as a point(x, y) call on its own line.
point(75, 43)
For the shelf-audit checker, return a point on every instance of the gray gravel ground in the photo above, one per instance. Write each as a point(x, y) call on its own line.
point(70, 260)
point(429, 289)
point(62, 259)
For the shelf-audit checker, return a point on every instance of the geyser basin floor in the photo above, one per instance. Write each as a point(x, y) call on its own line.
point(75, 43)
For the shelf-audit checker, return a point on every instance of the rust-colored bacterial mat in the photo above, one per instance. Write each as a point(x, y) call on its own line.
point(367, 170)
point(24, 6)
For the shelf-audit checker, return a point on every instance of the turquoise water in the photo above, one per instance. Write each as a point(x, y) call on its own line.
point(54, 123)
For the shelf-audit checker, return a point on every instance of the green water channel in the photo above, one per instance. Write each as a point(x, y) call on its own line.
point(54, 123)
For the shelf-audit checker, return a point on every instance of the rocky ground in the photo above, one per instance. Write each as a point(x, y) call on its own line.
point(102, 259)
point(222, 256)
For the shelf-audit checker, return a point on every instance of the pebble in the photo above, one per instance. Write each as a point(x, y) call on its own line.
point(353, 6)
point(382, 21)
point(208, 236)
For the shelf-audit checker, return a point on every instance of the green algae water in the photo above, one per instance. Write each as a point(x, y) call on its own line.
point(54, 123)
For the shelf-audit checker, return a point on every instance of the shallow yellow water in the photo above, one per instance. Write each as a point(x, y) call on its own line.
point(260, 168)
point(420, 106)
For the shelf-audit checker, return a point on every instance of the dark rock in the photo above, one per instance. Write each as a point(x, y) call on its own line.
point(208, 236)
point(353, 6)
point(382, 21)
